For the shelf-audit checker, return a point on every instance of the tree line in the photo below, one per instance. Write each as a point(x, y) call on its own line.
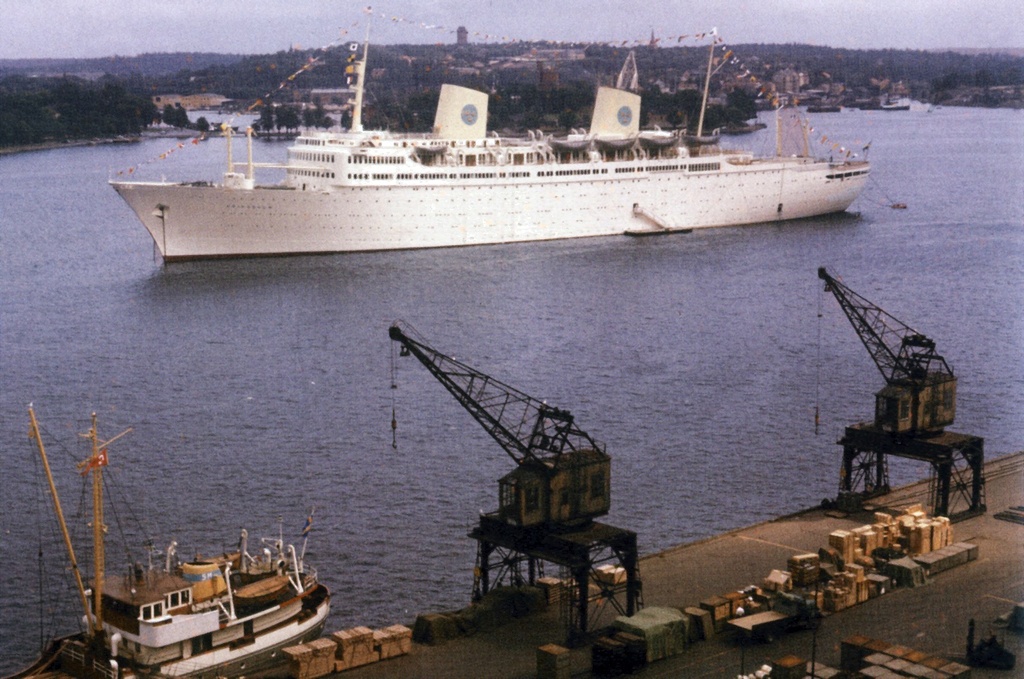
point(66, 109)
point(405, 79)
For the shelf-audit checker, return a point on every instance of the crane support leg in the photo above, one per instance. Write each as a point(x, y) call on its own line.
point(501, 565)
point(865, 472)
point(598, 566)
point(957, 462)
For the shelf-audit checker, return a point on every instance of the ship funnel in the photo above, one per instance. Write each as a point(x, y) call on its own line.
point(461, 113)
point(616, 112)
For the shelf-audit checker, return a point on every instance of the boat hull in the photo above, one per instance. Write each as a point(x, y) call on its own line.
point(71, 655)
point(190, 221)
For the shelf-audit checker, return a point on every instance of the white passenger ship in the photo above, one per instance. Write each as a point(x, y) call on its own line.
point(373, 190)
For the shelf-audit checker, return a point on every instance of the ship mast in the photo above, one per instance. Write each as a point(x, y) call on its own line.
point(707, 84)
point(95, 464)
point(360, 71)
point(34, 433)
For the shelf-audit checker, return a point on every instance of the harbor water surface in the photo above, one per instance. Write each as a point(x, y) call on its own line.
point(259, 389)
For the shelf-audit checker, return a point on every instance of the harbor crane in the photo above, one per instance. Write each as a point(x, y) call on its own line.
point(548, 503)
point(911, 413)
point(920, 393)
point(562, 475)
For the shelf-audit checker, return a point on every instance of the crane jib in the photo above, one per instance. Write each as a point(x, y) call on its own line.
point(525, 427)
point(920, 395)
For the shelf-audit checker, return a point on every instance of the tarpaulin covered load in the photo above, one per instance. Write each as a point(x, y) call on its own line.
point(664, 630)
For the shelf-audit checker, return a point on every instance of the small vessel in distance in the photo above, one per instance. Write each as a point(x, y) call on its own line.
point(367, 190)
point(226, 616)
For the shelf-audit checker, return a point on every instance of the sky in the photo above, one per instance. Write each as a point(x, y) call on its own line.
point(101, 28)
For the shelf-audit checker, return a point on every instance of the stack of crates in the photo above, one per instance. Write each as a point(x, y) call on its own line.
point(554, 589)
point(803, 569)
point(845, 543)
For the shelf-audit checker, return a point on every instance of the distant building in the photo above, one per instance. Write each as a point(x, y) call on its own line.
point(331, 98)
point(190, 102)
point(462, 36)
point(547, 76)
point(568, 54)
point(789, 80)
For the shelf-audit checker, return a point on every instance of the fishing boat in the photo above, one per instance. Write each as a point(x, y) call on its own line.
point(371, 190)
point(224, 616)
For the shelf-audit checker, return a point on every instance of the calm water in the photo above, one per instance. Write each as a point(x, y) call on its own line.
point(257, 389)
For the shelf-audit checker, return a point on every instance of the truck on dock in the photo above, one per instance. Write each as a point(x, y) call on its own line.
point(787, 613)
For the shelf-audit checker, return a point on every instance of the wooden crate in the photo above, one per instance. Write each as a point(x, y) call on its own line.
point(355, 648)
point(719, 608)
point(322, 662)
point(553, 662)
point(392, 641)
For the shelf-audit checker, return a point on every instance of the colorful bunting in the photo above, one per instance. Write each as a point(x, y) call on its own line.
point(729, 57)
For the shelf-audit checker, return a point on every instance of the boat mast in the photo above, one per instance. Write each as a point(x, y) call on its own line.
point(250, 171)
point(707, 84)
point(357, 107)
point(34, 433)
point(778, 133)
point(95, 464)
point(226, 129)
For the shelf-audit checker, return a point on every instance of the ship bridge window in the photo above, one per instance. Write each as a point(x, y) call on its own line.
point(179, 598)
point(151, 611)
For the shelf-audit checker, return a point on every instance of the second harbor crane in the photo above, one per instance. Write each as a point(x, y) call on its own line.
point(548, 504)
point(920, 392)
point(911, 413)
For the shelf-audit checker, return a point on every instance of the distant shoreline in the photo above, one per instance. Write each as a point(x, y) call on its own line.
point(148, 134)
point(49, 145)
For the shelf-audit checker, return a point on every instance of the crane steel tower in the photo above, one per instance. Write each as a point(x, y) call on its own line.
point(911, 413)
point(548, 503)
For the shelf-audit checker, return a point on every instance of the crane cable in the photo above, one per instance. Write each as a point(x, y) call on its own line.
point(394, 388)
point(817, 376)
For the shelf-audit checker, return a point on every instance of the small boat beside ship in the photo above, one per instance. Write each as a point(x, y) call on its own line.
point(224, 616)
point(371, 190)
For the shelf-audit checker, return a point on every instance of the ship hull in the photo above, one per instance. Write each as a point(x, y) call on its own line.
point(189, 221)
point(265, 651)
point(73, 655)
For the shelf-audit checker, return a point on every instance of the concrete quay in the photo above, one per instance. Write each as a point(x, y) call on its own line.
point(932, 619)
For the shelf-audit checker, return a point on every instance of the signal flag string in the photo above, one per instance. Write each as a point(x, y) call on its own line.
point(764, 91)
